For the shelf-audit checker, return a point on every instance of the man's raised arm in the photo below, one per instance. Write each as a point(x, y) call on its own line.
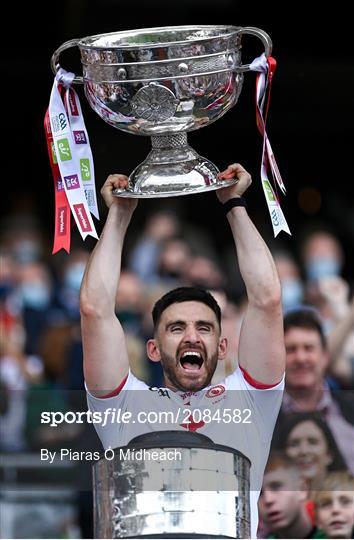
point(106, 360)
point(261, 346)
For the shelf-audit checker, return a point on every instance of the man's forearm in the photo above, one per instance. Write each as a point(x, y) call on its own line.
point(255, 260)
point(100, 282)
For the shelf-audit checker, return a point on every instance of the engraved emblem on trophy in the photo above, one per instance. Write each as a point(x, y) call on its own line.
point(163, 83)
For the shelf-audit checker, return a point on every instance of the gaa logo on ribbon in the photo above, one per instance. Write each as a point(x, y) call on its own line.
point(59, 122)
point(215, 391)
point(275, 218)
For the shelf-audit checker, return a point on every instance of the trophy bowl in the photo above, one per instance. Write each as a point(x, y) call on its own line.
point(163, 82)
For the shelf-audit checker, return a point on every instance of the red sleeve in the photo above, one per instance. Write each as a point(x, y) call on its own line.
point(116, 391)
point(254, 383)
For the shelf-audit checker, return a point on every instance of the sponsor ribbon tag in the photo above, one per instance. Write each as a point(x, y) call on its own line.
point(83, 148)
point(266, 68)
point(74, 173)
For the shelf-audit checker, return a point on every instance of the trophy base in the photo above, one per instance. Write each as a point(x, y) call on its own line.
point(172, 169)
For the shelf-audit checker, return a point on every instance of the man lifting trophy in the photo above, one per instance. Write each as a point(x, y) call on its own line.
point(162, 83)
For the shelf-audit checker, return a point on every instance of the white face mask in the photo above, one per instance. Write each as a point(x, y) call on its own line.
point(320, 267)
point(27, 251)
point(74, 275)
point(35, 294)
point(292, 293)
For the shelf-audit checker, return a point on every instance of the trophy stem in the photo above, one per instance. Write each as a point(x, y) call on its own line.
point(172, 168)
point(172, 140)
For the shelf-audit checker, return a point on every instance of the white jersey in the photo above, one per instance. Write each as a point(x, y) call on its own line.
point(232, 413)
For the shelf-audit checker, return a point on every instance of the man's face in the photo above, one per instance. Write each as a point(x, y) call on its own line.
point(306, 360)
point(335, 513)
point(188, 344)
point(281, 500)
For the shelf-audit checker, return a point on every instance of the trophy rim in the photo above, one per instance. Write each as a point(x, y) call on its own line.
point(88, 40)
point(164, 194)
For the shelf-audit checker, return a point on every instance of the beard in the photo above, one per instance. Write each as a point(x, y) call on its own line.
point(178, 378)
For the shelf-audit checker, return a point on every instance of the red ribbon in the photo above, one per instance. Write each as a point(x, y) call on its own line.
point(272, 65)
point(62, 220)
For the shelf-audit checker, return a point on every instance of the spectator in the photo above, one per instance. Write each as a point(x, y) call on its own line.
point(282, 501)
point(130, 302)
point(17, 371)
point(306, 388)
point(203, 272)
point(174, 258)
point(22, 238)
point(334, 505)
point(292, 286)
point(322, 257)
point(340, 334)
point(145, 256)
point(306, 439)
point(72, 272)
point(34, 288)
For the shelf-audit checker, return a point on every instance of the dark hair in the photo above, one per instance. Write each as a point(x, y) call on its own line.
point(290, 421)
point(305, 318)
point(185, 294)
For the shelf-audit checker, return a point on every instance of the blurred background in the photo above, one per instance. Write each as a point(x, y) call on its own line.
point(175, 241)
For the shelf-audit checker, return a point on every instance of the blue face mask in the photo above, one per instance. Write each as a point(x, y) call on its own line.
point(322, 267)
point(74, 275)
point(292, 293)
point(27, 251)
point(35, 295)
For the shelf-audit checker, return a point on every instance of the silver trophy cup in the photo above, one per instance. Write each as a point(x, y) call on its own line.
point(204, 491)
point(164, 82)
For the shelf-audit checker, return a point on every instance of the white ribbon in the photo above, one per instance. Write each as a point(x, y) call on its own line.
point(68, 158)
point(276, 214)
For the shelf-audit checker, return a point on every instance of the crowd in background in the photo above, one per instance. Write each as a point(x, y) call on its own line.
point(313, 444)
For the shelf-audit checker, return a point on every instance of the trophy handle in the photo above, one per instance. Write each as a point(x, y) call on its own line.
point(54, 62)
point(263, 36)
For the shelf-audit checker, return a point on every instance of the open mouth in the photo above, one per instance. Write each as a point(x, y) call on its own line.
point(274, 516)
point(191, 360)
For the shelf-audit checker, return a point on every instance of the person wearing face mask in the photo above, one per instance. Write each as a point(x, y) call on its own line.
point(34, 293)
point(292, 288)
point(69, 289)
point(322, 256)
